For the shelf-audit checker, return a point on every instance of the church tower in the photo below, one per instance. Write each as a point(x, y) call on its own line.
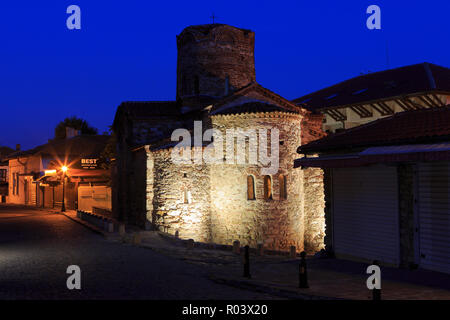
point(214, 60)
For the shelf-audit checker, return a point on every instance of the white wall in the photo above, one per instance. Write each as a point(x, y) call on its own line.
point(97, 196)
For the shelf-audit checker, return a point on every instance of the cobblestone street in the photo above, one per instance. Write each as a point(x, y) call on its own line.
point(36, 247)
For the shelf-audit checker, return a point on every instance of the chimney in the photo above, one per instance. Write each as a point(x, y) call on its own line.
point(71, 132)
point(18, 147)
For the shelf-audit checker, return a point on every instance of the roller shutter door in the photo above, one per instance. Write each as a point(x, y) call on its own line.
point(434, 216)
point(365, 213)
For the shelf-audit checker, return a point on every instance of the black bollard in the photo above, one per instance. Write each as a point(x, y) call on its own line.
point(247, 262)
point(302, 272)
point(376, 293)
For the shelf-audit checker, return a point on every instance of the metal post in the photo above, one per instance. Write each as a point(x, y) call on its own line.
point(247, 262)
point(236, 247)
point(63, 207)
point(302, 272)
point(260, 249)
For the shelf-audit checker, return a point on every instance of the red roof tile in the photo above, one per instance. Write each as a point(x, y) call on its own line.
point(425, 125)
point(408, 80)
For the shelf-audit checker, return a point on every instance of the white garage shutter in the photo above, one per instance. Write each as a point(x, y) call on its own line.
point(365, 213)
point(434, 216)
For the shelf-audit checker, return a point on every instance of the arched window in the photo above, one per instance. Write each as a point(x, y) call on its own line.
point(267, 187)
point(282, 183)
point(227, 85)
point(184, 84)
point(250, 188)
point(187, 197)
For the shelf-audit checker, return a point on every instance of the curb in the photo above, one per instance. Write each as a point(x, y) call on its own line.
point(225, 247)
point(285, 293)
point(87, 225)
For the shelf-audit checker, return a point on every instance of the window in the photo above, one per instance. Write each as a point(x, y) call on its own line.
point(2, 175)
point(185, 85)
point(187, 197)
point(17, 183)
point(13, 178)
point(359, 91)
point(227, 85)
point(250, 188)
point(283, 190)
point(331, 96)
point(305, 101)
point(267, 187)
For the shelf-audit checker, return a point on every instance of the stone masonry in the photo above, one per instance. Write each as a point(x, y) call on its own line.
point(278, 223)
point(209, 202)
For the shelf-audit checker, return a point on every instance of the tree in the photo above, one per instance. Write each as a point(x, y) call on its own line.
point(4, 151)
point(109, 152)
point(76, 123)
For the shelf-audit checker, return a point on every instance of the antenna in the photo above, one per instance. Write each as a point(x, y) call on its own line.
point(213, 17)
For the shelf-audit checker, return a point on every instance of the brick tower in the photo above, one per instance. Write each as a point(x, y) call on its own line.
point(214, 60)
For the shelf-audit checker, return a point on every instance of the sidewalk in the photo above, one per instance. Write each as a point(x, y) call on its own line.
point(72, 214)
point(340, 279)
point(328, 278)
point(275, 274)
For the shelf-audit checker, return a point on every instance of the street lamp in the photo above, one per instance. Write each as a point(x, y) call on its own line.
point(64, 170)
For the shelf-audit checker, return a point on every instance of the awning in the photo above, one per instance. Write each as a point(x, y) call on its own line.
point(75, 173)
point(27, 174)
point(382, 154)
point(412, 148)
point(87, 173)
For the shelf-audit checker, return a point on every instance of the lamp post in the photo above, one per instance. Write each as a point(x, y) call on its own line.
point(64, 170)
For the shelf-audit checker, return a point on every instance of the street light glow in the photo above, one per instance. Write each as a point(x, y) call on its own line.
point(64, 168)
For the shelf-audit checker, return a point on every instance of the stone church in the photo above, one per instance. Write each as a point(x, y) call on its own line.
point(218, 202)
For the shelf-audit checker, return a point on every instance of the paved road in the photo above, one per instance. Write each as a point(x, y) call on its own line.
point(37, 247)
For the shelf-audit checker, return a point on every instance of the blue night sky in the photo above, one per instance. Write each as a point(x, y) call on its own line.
point(126, 50)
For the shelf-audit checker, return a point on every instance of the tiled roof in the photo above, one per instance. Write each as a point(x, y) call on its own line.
point(82, 145)
point(264, 100)
point(418, 78)
point(251, 107)
point(412, 127)
point(5, 151)
point(145, 109)
point(206, 28)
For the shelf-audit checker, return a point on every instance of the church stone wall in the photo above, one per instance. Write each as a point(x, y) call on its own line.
point(137, 183)
point(278, 223)
point(213, 60)
point(178, 197)
point(314, 204)
point(219, 210)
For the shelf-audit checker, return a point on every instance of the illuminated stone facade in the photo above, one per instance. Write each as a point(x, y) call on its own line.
point(181, 197)
point(278, 223)
point(210, 202)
